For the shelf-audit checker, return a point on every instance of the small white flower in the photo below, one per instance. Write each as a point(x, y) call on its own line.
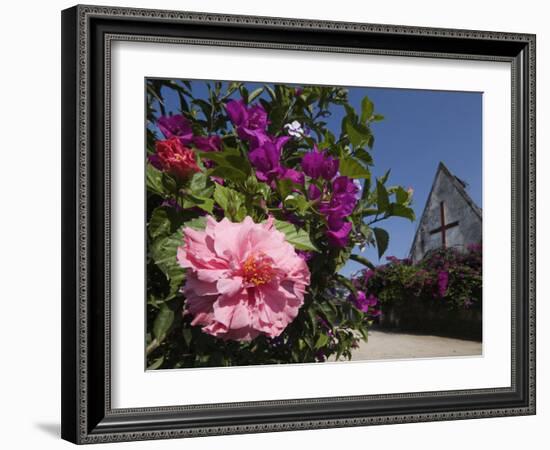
point(359, 187)
point(295, 129)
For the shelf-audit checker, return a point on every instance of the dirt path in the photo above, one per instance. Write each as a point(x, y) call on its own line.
point(389, 345)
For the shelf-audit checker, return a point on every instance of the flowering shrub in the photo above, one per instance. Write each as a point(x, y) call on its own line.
point(253, 207)
point(445, 278)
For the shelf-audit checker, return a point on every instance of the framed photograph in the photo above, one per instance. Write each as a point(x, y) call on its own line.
point(283, 224)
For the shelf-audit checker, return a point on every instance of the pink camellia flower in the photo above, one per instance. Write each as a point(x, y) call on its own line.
point(172, 157)
point(243, 279)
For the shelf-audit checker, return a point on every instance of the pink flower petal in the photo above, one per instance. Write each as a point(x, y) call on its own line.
point(242, 279)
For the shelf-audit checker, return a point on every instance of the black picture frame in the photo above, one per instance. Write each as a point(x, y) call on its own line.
point(87, 33)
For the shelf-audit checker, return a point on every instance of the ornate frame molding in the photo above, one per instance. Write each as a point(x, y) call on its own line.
point(84, 421)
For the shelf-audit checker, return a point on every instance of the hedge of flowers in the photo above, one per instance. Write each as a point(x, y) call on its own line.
point(253, 206)
point(446, 278)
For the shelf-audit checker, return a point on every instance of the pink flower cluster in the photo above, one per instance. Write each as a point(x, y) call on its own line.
point(243, 279)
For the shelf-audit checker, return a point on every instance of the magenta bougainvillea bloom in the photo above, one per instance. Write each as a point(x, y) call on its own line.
point(208, 144)
point(313, 192)
point(249, 121)
point(442, 282)
point(176, 125)
point(337, 208)
point(293, 175)
point(312, 163)
point(338, 232)
point(172, 157)
point(266, 160)
point(365, 303)
point(316, 164)
point(242, 280)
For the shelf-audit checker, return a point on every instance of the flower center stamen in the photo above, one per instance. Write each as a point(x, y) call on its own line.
point(258, 269)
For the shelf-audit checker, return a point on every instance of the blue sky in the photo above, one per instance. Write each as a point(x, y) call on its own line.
point(420, 129)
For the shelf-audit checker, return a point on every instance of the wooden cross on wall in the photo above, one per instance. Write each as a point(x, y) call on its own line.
point(444, 226)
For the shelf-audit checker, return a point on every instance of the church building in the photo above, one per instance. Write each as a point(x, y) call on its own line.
point(450, 217)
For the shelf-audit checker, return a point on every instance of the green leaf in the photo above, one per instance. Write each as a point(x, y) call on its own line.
point(154, 180)
point(347, 283)
point(206, 204)
point(205, 107)
point(296, 236)
point(168, 183)
point(364, 333)
point(163, 252)
point(353, 169)
point(367, 108)
point(196, 224)
point(321, 341)
point(357, 133)
point(296, 202)
point(231, 201)
point(364, 156)
point(401, 195)
point(370, 141)
point(285, 187)
point(228, 174)
point(162, 322)
point(244, 91)
point(270, 91)
point(231, 158)
point(385, 177)
point(382, 198)
point(362, 260)
point(382, 240)
point(201, 185)
point(377, 118)
point(402, 211)
point(163, 222)
point(187, 336)
point(255, 93)
point(156, 363)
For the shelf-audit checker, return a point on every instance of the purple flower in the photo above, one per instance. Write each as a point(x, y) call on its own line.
point(338, 232)
point(442, 282)
point(208, 144)
point(364, 303)
point(312, 164)
point(293, 175)
point(474, 247)
point(172, 203)
point(313, 192)
point(341, 204)
point(178, 126)
point(250, 122)
point(330, 168)
point(305, 255)
point(367, 275)
point(344, 186)
point(266, 160)
point(343, 199)
point(316, 164)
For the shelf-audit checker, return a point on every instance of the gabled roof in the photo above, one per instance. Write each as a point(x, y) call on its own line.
point(459, 185)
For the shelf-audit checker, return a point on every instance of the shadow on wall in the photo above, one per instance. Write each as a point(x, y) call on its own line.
point(415, 317)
